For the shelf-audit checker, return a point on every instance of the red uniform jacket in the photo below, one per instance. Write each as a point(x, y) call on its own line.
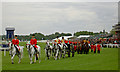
point(33, 42)
point(88, 42)
point(94, 47)
point(68, 42)
point(65, 41)
point(59, 41)
point(75, 43)
point(15, 42)
point(75, 46)
point(98, 47)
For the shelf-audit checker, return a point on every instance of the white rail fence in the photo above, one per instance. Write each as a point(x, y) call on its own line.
point(112, 45)
point(5, 49)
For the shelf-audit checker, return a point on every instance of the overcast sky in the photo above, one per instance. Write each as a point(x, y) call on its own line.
point(53, 17)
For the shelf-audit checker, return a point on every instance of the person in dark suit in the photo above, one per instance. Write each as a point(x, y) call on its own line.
point(68, 44)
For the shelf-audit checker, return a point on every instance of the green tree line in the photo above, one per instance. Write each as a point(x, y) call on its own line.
point(40, 36)
point(88, 33)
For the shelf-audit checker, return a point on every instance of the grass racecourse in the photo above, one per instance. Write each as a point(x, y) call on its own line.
point(0, 60)
point(107, 60)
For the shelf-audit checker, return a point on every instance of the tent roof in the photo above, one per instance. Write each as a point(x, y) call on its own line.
point(65, 37)
point(83, 36)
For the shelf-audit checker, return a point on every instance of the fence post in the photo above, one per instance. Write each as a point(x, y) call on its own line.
point(4, 52)
point(107, 45)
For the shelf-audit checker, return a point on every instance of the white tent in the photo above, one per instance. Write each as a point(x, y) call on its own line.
point(83, 36)
point(65, 37)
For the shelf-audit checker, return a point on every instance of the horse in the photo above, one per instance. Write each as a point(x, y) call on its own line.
point(32, 52)
point(56, 50)
point(62, 50)
point(28, 48)
point(48, 50)
point(14, 52)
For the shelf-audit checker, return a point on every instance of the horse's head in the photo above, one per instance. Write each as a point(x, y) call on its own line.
point(56, 45)
point(64, 45)
point(10, 45)
point(28, 45)
point(48, 44)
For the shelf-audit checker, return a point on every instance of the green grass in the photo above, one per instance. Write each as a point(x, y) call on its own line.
point(107, 60)
point(0, 61)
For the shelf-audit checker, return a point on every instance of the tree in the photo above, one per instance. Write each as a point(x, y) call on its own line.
point(112, 32)
point(83, 33)
point(57, 33)
point(101, 32)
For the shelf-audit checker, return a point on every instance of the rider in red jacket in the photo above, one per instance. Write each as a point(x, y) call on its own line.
point(33, 42)
point(15, 42)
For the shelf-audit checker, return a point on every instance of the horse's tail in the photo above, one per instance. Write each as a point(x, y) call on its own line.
point(40, 50)
point(22, 52)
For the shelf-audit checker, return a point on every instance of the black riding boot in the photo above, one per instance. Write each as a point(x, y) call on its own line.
point(35, 49)
point(36, 53)
point(17, 50)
